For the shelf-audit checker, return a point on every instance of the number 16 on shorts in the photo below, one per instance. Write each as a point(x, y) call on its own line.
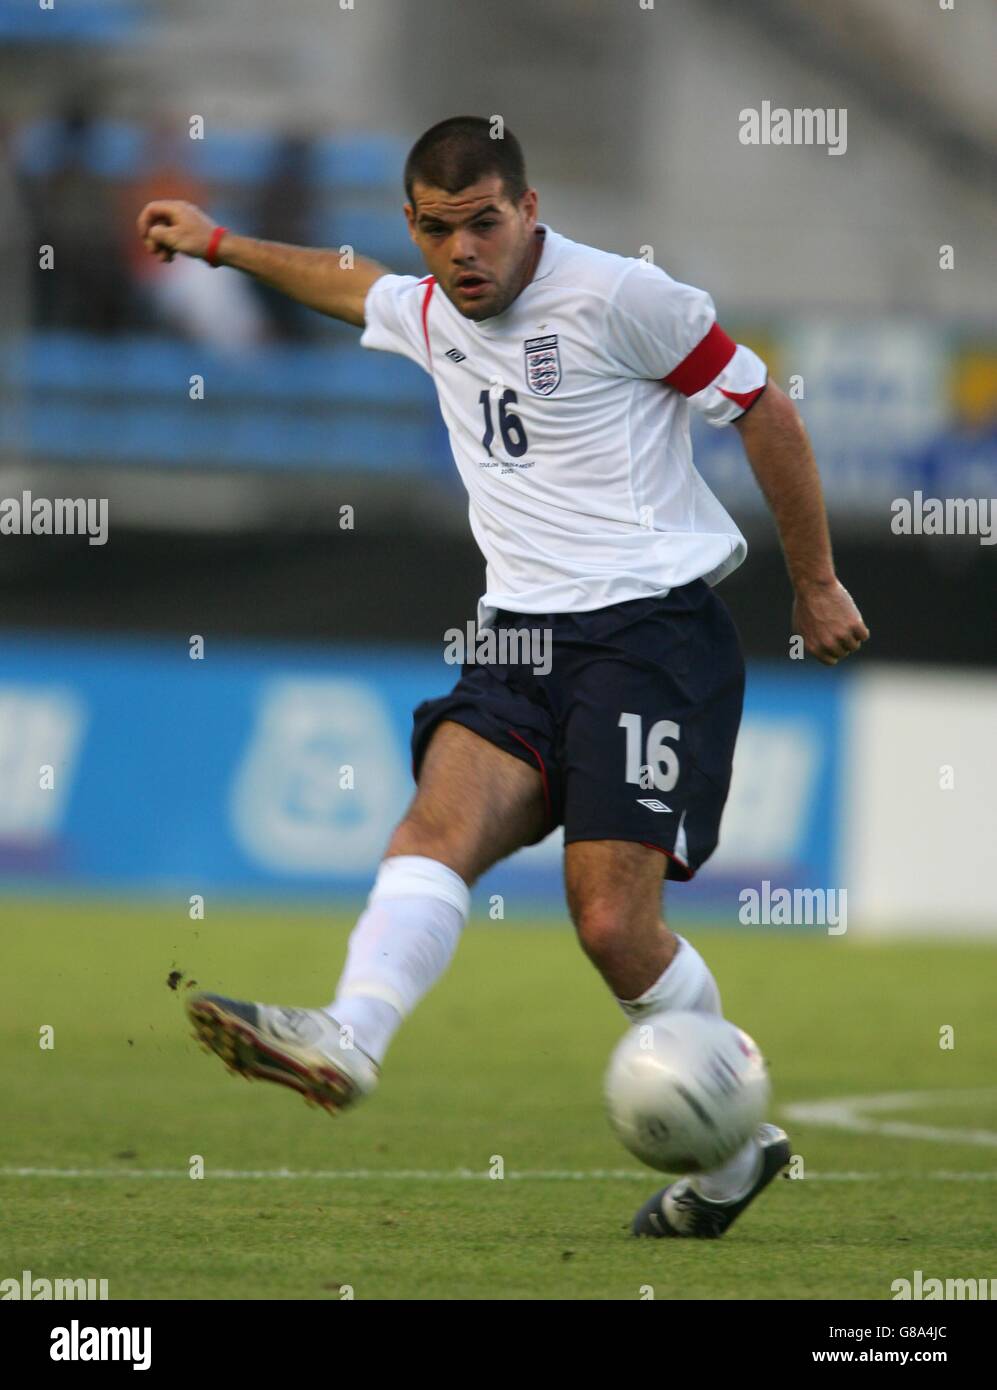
point(659, 766)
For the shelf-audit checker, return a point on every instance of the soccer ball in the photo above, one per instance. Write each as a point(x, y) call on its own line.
point(685, 1091)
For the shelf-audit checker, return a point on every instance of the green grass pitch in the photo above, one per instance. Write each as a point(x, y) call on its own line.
point(504, 1058)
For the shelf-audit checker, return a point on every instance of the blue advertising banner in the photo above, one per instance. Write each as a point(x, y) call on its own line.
point(126, 765)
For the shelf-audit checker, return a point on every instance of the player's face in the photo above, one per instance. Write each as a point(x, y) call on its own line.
point(478, 244)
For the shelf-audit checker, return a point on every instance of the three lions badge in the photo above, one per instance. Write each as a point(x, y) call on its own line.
point(543, 364)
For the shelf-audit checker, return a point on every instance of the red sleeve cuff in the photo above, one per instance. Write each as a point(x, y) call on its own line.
point(745, 399)
point(704, 364)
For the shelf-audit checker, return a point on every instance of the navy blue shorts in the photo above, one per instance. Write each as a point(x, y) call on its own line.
point(633, 727)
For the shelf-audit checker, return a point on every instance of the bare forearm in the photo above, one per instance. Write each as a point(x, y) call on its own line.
point(314, 277)
point(782, 460)
point(779, 452)
point(170, 227)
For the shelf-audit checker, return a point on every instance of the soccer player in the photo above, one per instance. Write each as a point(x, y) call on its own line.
point(565, 377)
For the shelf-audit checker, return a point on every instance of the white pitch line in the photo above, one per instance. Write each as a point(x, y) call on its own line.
point(461, 1175)
point(860, 1115)
point(850, 1113)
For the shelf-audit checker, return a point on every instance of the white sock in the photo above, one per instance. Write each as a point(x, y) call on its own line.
point(732, 1181)
point(399, 948)
point(686, 983)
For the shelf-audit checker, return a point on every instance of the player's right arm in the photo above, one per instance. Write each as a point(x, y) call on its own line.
point(311, 276)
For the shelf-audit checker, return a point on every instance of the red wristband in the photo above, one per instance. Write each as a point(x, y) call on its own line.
point(212, 250)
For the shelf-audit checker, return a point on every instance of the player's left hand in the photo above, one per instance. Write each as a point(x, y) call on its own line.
point(827, 619)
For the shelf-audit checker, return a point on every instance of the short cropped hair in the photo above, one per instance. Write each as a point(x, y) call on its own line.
point(461, 150)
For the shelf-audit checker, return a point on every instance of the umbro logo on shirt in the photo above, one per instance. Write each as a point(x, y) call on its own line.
point(653, 804)
point(455, 356)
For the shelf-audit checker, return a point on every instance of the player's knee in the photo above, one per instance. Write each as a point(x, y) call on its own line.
point(603, 930)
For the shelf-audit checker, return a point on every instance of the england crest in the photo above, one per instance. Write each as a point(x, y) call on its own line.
point(543, 364)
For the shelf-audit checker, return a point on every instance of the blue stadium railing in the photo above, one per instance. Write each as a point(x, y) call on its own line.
point(126, 400)
point(83, 22)
point(353, 181)
point(363, 160)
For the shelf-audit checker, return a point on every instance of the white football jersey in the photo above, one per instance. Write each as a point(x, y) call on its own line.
point(568, 417)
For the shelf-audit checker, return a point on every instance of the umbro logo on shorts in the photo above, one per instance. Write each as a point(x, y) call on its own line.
point(652, 804)
point(455, 355)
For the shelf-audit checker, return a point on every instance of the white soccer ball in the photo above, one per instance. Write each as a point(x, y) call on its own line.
point(685, 1091)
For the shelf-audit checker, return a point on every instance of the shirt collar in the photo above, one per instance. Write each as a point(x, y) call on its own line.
point(548, 255)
